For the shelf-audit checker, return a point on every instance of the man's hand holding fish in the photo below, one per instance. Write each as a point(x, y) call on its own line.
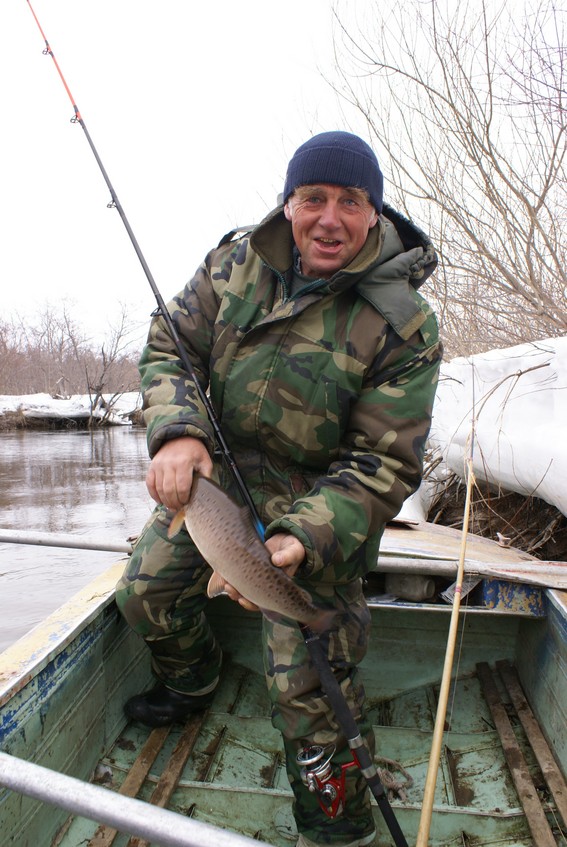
point(170, 475)
point(287, 553)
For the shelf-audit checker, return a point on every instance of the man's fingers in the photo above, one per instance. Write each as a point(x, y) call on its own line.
point(286, 551)
point(167, 486)
point(246, 604)
point(238, 598)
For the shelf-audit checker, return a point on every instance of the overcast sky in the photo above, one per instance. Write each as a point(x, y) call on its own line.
point(195, 109)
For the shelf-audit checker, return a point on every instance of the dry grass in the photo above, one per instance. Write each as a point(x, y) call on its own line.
point(528, 523)
point(12, 420)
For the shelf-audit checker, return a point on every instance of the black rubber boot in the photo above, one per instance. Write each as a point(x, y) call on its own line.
point(161, 706)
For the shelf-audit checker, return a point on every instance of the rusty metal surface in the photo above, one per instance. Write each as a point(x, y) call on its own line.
point(514, 597)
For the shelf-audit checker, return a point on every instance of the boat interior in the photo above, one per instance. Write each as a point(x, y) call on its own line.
point(500, 778)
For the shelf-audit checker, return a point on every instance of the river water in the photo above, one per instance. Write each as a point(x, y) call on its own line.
point(86, 484)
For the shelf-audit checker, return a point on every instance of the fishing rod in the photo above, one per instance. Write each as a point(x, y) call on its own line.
point(161, 306)
point(361, 754)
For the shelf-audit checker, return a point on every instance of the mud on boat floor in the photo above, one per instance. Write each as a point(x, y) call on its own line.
point(226, 766)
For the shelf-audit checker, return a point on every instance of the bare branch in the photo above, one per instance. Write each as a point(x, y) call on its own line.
point(467, 113)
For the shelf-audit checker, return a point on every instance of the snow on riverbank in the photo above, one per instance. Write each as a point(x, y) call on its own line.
point(516, 398)
point(115, 410)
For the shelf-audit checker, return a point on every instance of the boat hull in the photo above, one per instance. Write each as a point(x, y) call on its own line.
point(62, 690)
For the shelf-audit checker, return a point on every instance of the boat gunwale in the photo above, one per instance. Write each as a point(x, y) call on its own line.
point(21, 661)
point(26, 657)
point(29, 655)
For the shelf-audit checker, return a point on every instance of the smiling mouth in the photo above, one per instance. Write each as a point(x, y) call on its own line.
point(330, 241)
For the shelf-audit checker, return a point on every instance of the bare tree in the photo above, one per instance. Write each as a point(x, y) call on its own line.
point(52, 355)
point(111, 367)
point(58, 345)
point(466, 107)
point(12, 358)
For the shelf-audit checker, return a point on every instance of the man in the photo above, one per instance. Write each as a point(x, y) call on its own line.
point(321, 360)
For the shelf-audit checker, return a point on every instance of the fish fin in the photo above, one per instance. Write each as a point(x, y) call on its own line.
point(176, 524)
point(216, 585)
point(274, 617)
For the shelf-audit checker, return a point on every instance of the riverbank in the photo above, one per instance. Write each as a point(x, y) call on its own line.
point(504, 409)
point(42, 411)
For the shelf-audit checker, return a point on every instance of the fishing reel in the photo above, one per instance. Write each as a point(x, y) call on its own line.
point(317, 775)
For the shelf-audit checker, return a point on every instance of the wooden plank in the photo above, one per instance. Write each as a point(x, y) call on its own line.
point(554, 779)
point(171, 775)
point(105, 835)
point(535, 815)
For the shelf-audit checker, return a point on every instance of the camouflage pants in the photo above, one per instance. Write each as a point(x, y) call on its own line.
point(303, 714)
point(162, 595)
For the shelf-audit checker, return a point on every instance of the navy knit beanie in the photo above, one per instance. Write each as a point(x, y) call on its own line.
point(337, 158)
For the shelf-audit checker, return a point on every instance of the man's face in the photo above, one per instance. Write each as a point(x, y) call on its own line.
point(330, 225)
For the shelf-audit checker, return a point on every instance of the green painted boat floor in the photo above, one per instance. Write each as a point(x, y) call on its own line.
point(235, 776)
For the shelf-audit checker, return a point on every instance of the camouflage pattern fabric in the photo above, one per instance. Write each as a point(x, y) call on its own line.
point(325, 400)
point(302, 712)
point(324, 404)
point(162, 595)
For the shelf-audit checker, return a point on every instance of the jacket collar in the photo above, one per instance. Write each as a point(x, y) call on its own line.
point(396, 257)
point(273, 241)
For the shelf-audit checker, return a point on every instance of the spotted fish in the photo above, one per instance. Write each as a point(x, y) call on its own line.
point(224, 534)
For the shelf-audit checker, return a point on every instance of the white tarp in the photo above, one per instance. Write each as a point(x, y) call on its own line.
point(515, 402)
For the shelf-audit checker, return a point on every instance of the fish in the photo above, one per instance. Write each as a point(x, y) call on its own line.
point(224, 534)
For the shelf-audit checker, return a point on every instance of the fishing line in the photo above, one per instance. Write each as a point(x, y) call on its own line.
point(451, 710)
point(471, 444)
point(161, 307)
point(318, 655)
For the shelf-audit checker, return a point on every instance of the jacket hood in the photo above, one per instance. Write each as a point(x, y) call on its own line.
point(396, 258)
point(273, 241)
point(417, 254)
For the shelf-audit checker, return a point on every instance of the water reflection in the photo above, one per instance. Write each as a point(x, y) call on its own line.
point(86, 483)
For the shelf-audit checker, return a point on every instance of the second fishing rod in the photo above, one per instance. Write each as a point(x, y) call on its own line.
point(361, 754)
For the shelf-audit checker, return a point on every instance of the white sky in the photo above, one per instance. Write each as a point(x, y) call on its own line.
point(195, 109)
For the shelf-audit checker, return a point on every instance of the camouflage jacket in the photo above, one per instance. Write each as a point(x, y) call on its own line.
point(324, 397)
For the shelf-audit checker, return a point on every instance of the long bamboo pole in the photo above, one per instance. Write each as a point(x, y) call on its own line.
point(439, 729)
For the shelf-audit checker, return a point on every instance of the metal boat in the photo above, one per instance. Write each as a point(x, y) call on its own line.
point(75, 772)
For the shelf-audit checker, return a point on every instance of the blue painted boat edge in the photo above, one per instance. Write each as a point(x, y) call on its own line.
point(34, 651)
point(543, 671)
